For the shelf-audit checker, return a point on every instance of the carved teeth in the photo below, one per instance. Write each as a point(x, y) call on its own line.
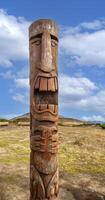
point(46, 84)
point(43, 101)
point(43, 106)
point(51, 107)
point(43, 84)
point(51, 85)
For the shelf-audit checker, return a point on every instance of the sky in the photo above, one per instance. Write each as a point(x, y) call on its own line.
point(81, 55)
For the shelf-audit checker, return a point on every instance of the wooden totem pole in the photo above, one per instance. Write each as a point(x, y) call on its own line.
point(43, 40)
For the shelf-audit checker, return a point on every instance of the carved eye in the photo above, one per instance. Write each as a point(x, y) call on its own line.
point(37, 42)
point(37, 39)
point(53, 43)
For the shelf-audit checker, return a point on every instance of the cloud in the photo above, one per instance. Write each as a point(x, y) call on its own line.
point(75, 87)
point(94, 118)
point(81, 94)
point(94, 25)
point(84, 44)
point(19, 98)
point(95, 103)
point(21, 74)
point(7, 75)
point(22, 82)
point(13, 39)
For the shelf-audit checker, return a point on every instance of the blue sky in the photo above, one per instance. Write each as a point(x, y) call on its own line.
point(81, 55)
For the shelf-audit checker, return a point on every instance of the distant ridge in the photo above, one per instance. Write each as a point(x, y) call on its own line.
point(26, 117)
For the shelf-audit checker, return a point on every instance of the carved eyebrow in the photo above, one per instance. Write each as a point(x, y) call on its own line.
point(54, 38)
point(36, 37)
point(39, 36)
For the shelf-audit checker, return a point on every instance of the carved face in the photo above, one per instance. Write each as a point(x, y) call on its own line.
point(44, 143)
point(44, 139)
point(43, 74)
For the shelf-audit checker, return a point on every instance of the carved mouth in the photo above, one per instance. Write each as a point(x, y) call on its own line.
point(45, 94)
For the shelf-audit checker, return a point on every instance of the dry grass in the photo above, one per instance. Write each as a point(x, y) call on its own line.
point(82, 149)
point(81, 158)
point(4, 123)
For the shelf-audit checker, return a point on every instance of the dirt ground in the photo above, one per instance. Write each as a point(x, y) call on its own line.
point(81, 161)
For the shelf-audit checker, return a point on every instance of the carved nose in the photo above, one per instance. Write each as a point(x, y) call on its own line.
point(46, 56)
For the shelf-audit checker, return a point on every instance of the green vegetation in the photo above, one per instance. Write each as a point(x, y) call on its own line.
point(3, 120)
point(67, 158)
point(14, 148)
point(77, 160)
point(102, 126)
point(61, 124)
point(24, 119)
point(81, 150)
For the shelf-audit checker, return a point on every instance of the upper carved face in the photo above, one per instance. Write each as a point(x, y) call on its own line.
point(43, 52)
point(43, 73)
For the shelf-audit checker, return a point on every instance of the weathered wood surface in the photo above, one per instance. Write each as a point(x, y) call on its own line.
point(43, 46)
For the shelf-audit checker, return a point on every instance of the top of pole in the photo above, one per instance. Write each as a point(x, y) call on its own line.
point(37, 27)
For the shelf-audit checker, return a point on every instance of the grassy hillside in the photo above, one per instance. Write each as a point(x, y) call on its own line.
point(81, 162)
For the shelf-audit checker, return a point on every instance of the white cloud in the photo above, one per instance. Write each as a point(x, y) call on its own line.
point(13, 39)
point(83, 27)
point(80, 93)
point(85, 44)
point(22, 82)
point(90, 103)
point(23, 72)
point(94, 25)
point(75, 87)
point(94, 102)
point(94, 118)
point(19, 98)
point(7, 75)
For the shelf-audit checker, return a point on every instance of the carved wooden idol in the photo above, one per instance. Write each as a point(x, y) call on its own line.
point(43, 40)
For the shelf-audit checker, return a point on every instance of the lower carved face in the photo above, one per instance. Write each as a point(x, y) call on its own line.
point(45, 98)
point(44, 144)
point(44, 140)
point(45, 95)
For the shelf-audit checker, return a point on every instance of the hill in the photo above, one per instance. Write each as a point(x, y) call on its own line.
point(63, 121)
point(26, 115)
point(23, 118)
